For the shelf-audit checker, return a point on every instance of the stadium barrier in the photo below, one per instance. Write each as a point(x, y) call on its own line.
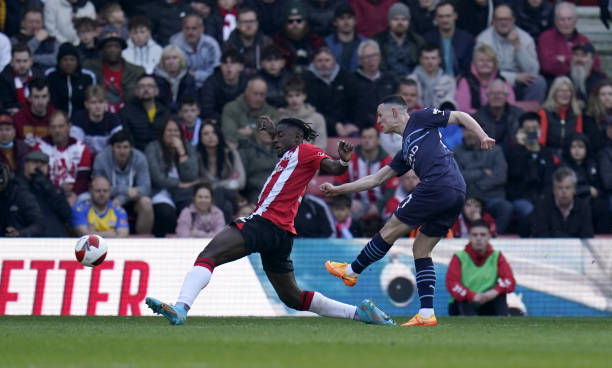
point(560, 277)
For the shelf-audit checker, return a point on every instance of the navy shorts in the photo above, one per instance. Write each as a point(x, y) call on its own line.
point(271, 242)
point(435, 209)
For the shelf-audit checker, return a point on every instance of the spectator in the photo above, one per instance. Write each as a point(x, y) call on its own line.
point(173, 164)
point(472, 89)
point(173, 78)
point(478, 277)
point(248, 39)
point(87, 32)
point(475, 15)
point(295, 95)
point(371, 15)
point(222, 167)
point(54, 207)
point(213, 22)
point(239, 117)
point(118, 76)
point(471, 212)
point(142, 50)
point(167, 17)
point(59, 15)
point(114, 19)
point(274, 73)
point(69, 159)
point(314, 219)
point(259, 159)
point(145, 115)
point(95, 125)
point(11, 25)
point(577, 156)
point(516, 54)
point(202, 51)
point(296, 39)
point(555, 45)
point(500, 119)
point(456, 45)
point(225, 85)
point(32, 119)
point(321, 15)
point(435, 87)
point(68, 81)
point(485, 174)
point(189, 115)
point(20, 215)
point(530, 168)
point(599, 111)
point(398, 44)
point(407, 183)
point(270, 13)
point(605, 162)
point(15, 79)
point(43, 45)
point(329, 90)
point(227, 11)
point(562, 214)
point(5, 51)
point(423, 15)
point(346, 226)
point(201, 219)
point(343, 42)
point(369, 157)
point(371, 85)
point(99, 214)
point(128, 172)
point(560, 115)
point(582, 74)
point(534, 16)
point(12, 150)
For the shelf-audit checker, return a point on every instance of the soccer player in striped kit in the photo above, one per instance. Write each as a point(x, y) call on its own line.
point(269, 230)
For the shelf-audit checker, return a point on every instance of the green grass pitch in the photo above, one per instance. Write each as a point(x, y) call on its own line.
point(303, 342)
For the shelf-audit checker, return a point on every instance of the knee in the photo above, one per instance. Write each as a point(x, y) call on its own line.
point(144, 204)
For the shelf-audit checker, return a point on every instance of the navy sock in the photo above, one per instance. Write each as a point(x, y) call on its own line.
point(372, 252)
point(426, 281)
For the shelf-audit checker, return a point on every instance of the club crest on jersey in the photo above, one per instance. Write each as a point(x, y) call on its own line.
point(436, 111)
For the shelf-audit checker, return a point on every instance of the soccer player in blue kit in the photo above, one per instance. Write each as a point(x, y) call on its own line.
point(434, 204)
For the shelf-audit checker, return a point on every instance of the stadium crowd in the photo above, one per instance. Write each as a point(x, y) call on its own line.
point(139, 117)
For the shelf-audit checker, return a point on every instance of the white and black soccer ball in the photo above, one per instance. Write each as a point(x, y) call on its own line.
point(90, 250)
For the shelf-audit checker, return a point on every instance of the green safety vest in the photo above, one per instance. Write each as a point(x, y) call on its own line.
point(478, 278)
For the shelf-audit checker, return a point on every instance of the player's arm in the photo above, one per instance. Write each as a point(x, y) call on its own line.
point(365, 183)
point(338, 167)
point(468, 122)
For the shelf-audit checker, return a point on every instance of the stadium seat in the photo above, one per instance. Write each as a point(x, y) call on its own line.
point(528, 105)
point(315, 183)
point(332, 145)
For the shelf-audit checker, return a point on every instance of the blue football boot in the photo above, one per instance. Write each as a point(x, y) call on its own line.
point(369, 313)
point(176, 316)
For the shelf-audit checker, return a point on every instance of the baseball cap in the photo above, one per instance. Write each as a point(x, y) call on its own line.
point(37, 156)
point(110, 35)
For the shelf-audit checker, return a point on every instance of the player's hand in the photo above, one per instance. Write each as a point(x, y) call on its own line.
point(265, 123)
point(479, 299)
point(487, 143)
point(345, 150)
point(329, 189)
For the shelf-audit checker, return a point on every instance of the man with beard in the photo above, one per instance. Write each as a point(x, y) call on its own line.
point(248, 39)
point(15, 77)
point(582, 73)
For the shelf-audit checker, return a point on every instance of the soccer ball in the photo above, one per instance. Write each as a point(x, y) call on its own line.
point(90, 250)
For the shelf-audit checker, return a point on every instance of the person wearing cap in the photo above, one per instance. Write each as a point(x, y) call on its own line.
point(12, 150)
point(15, 77)
point(248, 39)
point(344, 41)
point(50, 198)
point(20, 215)
point(321, 14)
point(117, 75)
point(43, 46)
point(59, 15)
point(371, 15)
point(69, 80)
point(399, 46)
point(555, 45)
point(582, 73)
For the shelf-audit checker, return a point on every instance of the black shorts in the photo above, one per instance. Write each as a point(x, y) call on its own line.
point(271, 242)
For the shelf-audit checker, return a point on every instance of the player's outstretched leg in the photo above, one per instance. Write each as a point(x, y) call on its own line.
point(289, 293)
point(227, 246)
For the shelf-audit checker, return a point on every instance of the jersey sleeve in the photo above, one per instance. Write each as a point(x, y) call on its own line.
point(312, 155)
point(431, 118)
point(399, 165)
point(79, 214)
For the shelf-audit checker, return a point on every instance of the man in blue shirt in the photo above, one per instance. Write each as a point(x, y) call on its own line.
point(433, 205)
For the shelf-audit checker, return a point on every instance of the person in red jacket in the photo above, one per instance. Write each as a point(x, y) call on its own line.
point(478, 277)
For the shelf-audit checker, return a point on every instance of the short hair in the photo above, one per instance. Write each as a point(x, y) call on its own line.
point(84, 23)
point(480, 223)
point(120, 137)
point(341, 201)
point(308, 133)
point(95, 91)
point(368, 128)
point(96, 177)
point(193, 15)
point(57, 113)
point(245, 9)
point(38, 84)
point(503, 5)
point(188, 100)
point(143, 76)
point(529, 115)
point(323, 50)
point(408, 82)
point(498, 81)
point(394, 100)
point(367, 43)
point(231, 54)
point(445, 3)
point(33, 9)
point(565, 4)
point(21, 47)
point(272, 52)
point(486, 50)
point(295, 84)
point(563, 173)
point(204, 185)
point(108, 9)
point(138, 21)
point(256, 78)
point(429, 47)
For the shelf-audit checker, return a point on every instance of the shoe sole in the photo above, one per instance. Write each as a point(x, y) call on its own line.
point(331, 269)
point(160, 308)
point(435, 323)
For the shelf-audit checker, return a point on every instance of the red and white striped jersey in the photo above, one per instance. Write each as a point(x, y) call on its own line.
point(64, 164)
point(282, 193)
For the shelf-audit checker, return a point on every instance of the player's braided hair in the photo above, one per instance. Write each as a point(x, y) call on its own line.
point(308, 132)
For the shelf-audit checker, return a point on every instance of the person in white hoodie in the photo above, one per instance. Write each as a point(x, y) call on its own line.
point(59, 15)
point(142, 49)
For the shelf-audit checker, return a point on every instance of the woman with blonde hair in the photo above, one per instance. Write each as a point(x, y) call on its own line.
point(598, 113)
point(172, 77)
point(560, 115)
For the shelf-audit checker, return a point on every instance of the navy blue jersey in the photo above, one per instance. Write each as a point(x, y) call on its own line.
point(424, 152)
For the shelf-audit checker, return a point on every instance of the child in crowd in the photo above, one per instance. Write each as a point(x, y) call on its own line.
point(189, 115)
point(472, 211)
point(346, 226)
point(87, 32)
point(201, 219)
point(142, 50)
point(115, 20)
point(274, 73)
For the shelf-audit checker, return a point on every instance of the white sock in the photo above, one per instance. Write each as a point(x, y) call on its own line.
point(349, 270)
point(426, 312)
point(195, 280)
point(327, 307)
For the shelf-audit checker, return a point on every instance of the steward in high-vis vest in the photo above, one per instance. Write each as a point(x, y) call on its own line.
point(478, 277)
